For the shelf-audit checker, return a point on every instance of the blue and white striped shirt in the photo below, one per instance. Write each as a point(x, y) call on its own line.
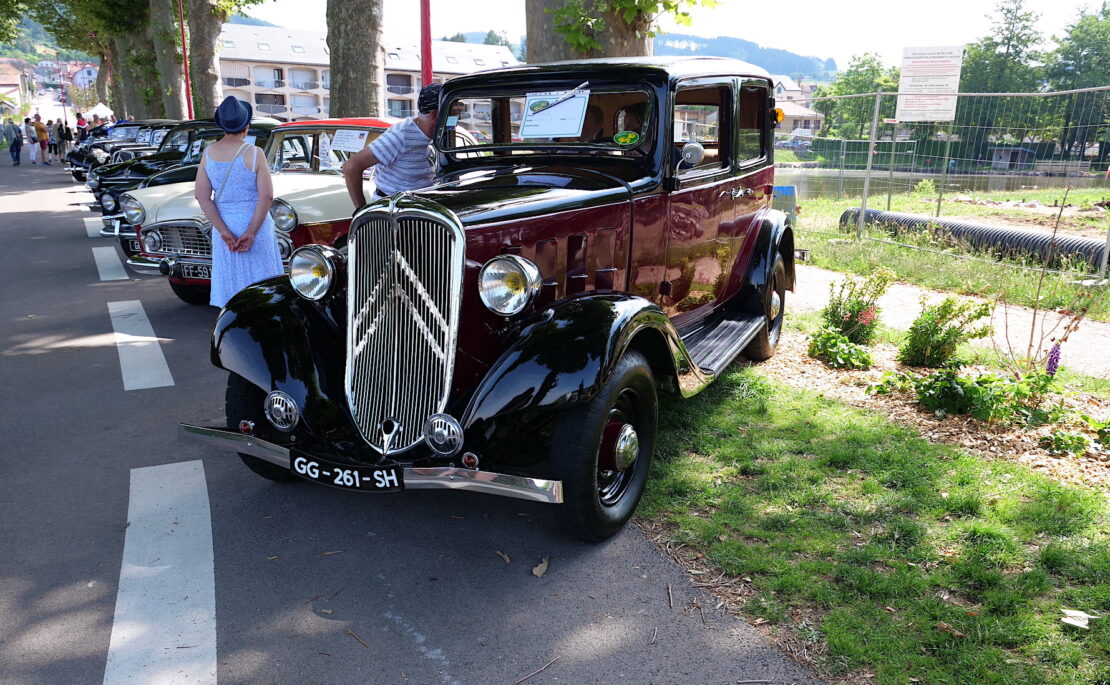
point(402, 153)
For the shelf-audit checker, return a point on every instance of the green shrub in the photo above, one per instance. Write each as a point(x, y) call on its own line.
point(852, 308)
point(838, 351)
point(988, 397)
point(1067, 442)
point(1101, 428)
point(925, 188)
point(939, 329)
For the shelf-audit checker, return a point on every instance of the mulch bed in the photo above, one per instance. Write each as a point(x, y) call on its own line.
point(791, 365)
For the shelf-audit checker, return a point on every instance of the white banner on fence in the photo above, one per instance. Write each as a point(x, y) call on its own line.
point(926, 71)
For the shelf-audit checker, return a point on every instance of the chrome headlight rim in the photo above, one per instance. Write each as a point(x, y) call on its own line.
point(284, 216)
point(92, 180)
point(306, 281)
point(488, 283)
point(152, 241)
point(132, 210)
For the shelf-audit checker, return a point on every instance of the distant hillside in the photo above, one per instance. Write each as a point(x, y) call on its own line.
point(35, 44)
point(773, 60)
point(249, 21)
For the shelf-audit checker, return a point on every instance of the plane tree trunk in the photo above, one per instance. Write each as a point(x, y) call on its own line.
point(354, 41)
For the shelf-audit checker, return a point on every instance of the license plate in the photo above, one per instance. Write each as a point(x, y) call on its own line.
point(196, 271)
point(369, 479)
point(133, 246)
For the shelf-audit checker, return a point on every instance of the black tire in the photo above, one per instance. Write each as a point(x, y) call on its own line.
point(78, 176)
point(244, 401)
point(764, 344)
point(597, 502)
point(193, 294)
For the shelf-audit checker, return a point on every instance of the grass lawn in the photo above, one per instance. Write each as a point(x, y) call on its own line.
point(860, 538)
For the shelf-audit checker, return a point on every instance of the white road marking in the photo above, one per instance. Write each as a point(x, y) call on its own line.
point(164, 629)
point(140, 356)
point(108, 264)
point(93, 226)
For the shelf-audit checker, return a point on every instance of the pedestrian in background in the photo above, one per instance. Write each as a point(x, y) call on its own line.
point(51, 142)
point(14, 138)
point(32, 139)
point(234, 190)
point(82, 127)
point(42, 136)
point(67, 139)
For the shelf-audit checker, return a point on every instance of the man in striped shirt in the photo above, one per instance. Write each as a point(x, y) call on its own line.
point(401, 153)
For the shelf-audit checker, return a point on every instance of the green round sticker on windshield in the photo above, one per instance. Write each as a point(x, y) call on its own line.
point(539, 104)
point(626, 138)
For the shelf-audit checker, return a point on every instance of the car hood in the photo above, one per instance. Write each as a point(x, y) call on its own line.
point(309, 194)
point(143, 166)
point(481, 196)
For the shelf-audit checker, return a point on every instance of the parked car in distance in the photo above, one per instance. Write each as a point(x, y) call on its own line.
point(311, 203)
point(507, 329)
point(121, 136)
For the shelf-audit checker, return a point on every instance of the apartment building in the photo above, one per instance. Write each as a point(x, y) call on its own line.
point(284, 73)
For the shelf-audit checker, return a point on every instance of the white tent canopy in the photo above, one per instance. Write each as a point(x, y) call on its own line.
point(101, 110)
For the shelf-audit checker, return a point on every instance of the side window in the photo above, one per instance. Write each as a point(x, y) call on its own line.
point(293, 155)
point(700, 115)
point(752, 122)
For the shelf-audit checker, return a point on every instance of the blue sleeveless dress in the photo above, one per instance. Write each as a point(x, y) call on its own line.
point(233, 271)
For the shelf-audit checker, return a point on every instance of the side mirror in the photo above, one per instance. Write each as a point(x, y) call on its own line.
point(692, 154)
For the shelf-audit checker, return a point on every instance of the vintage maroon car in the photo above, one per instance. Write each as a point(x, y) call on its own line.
point(507, 329)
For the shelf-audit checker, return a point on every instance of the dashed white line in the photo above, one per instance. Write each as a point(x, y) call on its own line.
point(140, 356)
point(108, 264)
point(93, 226)
point(164, 630)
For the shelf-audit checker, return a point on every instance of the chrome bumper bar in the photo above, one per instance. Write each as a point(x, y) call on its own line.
point(143, 265)
point(416, 478)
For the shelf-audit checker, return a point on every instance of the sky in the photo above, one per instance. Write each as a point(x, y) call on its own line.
point(818, 28)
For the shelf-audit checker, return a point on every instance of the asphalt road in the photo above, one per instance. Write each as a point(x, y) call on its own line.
point(311, 585)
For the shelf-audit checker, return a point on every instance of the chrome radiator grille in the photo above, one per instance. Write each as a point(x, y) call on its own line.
point(403, 298)
point(185, 239)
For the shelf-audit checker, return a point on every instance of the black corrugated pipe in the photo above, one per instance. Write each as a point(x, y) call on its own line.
point(1003, 242)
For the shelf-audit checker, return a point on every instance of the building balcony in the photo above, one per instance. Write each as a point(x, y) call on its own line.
point(235, 82)
point(305, 110)
point(270, 83)
point(326, 85)
point(400, 90)
point(304, 85)
point(271, 109)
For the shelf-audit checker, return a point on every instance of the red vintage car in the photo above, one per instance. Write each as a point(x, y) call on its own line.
point(508, 329)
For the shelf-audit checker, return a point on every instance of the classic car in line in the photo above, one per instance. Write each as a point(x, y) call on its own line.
point(507, 329)
point(311, 204)
point(121, 136)
point(185, 171)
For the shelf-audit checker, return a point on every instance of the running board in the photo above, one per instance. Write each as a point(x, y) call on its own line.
point(715, 347)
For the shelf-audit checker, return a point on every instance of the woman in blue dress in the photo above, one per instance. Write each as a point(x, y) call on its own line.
point(234, 190)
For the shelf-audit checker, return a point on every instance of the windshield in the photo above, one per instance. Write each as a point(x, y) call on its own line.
point(208, 136)
point(613, 120)
point(322, 150)
point(176, 140)
point(124, 133)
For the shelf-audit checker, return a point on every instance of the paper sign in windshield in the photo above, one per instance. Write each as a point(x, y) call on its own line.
point(349, 140)
point(158, 137)
point(548, 115)
point(196, 147)
point(327, 159)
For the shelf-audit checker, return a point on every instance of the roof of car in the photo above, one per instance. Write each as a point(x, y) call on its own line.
point(353, 121)
point(673, 66)
point(153, 122)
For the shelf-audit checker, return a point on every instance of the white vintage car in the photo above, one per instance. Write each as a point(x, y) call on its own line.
point(311, 204)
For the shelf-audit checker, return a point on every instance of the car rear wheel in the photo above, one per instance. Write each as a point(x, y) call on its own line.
point(193, 294)
point(602, 451)
point(243, 402)
point(763, 345)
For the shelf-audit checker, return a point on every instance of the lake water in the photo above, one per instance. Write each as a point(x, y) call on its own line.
point(829, 183)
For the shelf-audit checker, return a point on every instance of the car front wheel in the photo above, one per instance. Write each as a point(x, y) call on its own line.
point(602, 451)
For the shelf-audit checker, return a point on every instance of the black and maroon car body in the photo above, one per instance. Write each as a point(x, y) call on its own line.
point(506, 329)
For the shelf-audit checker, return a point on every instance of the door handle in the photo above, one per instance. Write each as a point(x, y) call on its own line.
point(741, 192)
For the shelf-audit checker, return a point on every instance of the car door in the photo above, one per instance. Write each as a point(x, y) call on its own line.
point(700, 205)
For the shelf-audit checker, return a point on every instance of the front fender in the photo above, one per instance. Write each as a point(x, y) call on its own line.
point(562, 358)
point(277, 340)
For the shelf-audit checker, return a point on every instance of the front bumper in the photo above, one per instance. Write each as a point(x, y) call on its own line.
point(143, 265)
point(415, 477)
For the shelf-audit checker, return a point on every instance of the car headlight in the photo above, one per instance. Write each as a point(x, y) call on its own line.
point(92, 180)
point(312, 271)
point(108, 202)
point(507, 284)
point(99, 155)
point(285, 247)
point(132, 210)
point(283, 215)
point(152, 241)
